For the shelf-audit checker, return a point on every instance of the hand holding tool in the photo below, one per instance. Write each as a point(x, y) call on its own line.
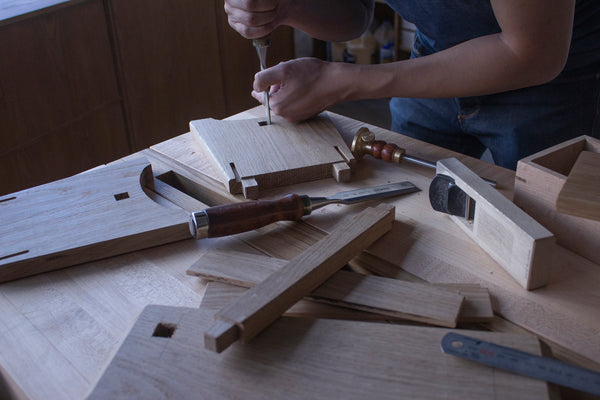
point(235, 218)
point(522, 363)
point(261, 46)
point(364, 143)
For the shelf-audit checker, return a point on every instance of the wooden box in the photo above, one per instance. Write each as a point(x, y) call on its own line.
point(540, 178)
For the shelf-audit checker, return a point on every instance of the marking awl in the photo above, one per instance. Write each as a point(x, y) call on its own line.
point(235, 218)
point(261, 46)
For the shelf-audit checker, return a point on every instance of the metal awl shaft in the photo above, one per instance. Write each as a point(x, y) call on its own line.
point(261, 48)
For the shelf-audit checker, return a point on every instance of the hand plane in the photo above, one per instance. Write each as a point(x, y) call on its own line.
point(517, 242)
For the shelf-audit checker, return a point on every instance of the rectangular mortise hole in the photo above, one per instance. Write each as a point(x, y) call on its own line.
point(164, 330)
point(121, 196)
point(262, 123)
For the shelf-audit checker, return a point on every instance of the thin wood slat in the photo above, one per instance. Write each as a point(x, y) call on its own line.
point(421, 302)
point(580, 195)
point(218, 295)
point(265, 302)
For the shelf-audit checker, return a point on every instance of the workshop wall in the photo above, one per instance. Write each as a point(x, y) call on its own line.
point(85, 82)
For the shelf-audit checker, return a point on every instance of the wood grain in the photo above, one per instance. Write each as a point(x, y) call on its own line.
point(169, 65)
point(301, 358)
point(265, 302)
point(218, 295)
point(60, 103)
point(580, 195)
point(251, 158)
point(432, 247)
point(523, 247)
point(399, 299)
point(93, 215)
point(539, 180)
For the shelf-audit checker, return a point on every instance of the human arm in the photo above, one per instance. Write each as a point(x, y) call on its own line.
point(331, 20)
point(531, 49)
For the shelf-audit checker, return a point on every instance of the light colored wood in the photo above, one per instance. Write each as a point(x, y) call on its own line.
point(77, 317)
point(220, 294)
point(93, 215)
point(265, 302)
point(416, 301)
point(523, 247)
point(250, 158)
point(430, 246)
point(539, 180)
point(580, 195)
point(300, 358)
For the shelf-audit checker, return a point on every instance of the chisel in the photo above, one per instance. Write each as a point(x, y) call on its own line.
point(235, 218)
point(261, 48)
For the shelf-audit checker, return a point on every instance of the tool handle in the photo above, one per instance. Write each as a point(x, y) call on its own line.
point(389, 152)
point(235, 218)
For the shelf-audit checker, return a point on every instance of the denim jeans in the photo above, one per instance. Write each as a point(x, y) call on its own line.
point(512, 124)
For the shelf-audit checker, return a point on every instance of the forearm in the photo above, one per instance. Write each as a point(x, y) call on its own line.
point(480, 66)
point(332, 20)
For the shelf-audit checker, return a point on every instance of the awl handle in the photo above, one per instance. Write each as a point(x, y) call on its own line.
point(235, 218)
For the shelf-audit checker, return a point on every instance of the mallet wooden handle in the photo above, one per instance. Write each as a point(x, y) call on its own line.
point(235, 218)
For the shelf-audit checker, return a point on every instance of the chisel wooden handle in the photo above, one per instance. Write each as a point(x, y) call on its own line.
point(235, 218)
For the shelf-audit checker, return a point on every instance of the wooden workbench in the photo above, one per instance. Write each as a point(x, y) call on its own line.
point(59, 330)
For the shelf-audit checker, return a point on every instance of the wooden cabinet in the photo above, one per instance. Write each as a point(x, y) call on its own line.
point(85, 82)
point(60, 108)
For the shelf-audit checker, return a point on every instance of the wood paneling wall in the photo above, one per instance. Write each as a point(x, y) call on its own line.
point(60, 109)
point(89, 81)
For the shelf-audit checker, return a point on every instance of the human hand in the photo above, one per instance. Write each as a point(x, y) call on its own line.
point(302, 88)
point(255, 18)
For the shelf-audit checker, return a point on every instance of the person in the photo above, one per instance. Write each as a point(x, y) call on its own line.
point(512, 76)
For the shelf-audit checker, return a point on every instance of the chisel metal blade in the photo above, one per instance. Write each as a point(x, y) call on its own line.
point(358, 195)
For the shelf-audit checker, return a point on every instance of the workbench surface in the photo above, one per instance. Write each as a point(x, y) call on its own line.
point(59, 330)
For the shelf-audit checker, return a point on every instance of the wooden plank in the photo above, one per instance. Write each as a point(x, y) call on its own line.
point(93, 215)
point(523, 247)
point(252, 157)
point(303, 358)
point(416, 301)
point(265, 302)
point(580, 195)
point(539, 180)
point(218, 295)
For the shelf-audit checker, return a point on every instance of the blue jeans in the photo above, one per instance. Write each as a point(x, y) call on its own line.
point(512, 124)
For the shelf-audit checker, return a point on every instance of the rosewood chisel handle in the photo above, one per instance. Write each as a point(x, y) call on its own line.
point(235, 218)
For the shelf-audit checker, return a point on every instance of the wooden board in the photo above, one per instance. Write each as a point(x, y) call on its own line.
point(539, 180)
point(97, 214)
point(523, 247)
point(394, 298)
point(265, 302)
point(251, 157)
point(296, 358)
point(580, 195)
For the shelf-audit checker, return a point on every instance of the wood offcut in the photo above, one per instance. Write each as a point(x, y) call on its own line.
point(265, 302)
